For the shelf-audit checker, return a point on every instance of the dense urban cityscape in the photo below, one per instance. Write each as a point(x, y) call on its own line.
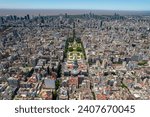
point(75, 57)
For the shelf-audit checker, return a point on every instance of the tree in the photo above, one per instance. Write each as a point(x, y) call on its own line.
point(70, 49)
point(57, 84)
point(79, 49)
point(54, 97)
point(142, 63)
point(78, 40)
point(70, 39)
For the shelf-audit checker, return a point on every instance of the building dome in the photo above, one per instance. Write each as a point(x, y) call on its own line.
point(74, 72)
point(75, 64)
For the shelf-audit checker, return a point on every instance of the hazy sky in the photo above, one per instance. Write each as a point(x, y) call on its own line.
point(77, 4)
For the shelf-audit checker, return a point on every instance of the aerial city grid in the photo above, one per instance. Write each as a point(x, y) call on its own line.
point(86, 56)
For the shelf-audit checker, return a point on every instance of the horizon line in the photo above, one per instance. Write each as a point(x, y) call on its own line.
point(73, 9)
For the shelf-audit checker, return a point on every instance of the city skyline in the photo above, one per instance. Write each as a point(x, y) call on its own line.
point(134, 5)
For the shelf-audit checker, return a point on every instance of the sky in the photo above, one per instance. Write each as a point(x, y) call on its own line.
point(137, 5)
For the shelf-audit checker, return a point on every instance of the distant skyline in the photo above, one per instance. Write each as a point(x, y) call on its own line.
point(135, 5)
